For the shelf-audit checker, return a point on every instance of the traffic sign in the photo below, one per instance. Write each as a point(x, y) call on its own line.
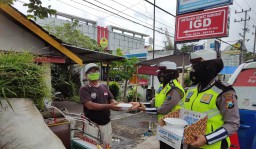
point(185, 6)
point(202, 25)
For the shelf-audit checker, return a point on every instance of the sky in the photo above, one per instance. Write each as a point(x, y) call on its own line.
point(141, 12)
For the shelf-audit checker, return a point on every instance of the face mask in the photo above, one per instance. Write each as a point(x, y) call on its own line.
point(93, 76)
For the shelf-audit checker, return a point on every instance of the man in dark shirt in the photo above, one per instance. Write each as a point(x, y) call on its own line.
point(97, 101)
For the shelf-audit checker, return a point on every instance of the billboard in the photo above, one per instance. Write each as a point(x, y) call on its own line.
point(202, 25)
point(185, 6)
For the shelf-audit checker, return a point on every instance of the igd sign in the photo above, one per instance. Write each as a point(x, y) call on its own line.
point(205, 24)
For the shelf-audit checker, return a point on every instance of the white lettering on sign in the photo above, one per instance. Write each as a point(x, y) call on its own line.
point(200, 23)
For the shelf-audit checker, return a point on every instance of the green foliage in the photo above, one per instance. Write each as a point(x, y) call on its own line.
point(169, 47)
point(114, 89)
point(75, 99)
point(35, 8)
point(123, 69)
point(64, 81)
point(20, 77)
point(132, 95)
point(69, 33)
point(187, 81)
point(186, 48)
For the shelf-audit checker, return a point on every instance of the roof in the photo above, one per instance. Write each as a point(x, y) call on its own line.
point(78, 55)
point(178, 59)
point(89, 56)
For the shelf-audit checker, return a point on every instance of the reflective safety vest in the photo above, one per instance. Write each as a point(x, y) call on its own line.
point(205, 102)
point(161, 95)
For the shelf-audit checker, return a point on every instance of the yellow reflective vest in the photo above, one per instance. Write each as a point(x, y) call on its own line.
point(161, 94)
point(205, 102)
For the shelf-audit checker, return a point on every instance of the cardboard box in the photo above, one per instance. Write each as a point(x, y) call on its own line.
point(197, 125)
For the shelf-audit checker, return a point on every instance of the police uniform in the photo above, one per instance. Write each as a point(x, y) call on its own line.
point(212, 97)
point(167, 99)
point(219, 102)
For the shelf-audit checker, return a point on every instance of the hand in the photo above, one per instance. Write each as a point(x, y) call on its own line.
point(114, 107)
point(135, 106)
point(200, 140)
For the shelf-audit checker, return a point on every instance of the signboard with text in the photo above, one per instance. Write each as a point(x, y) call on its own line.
point(185, 6)
point(202, 25)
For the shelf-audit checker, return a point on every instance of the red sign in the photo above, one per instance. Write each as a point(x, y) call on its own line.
point(246, 78)
point(59, 60)
point(201, 25)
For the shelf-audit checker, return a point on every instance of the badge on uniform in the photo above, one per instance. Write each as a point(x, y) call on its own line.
point(188, 96)
point(206, 98)
point(229, 98)
point(93, 95)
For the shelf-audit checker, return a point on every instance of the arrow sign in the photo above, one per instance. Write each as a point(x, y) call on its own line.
point(196, 30)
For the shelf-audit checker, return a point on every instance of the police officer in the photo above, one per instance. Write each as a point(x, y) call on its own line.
point(218, 101)
point(168, 95)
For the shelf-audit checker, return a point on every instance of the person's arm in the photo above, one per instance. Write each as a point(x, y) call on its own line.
point(86, 100)
point(172, 99)
point(96, 106)
point(227, 105)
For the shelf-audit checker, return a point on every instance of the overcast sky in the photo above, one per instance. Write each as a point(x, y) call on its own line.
point(142, 12)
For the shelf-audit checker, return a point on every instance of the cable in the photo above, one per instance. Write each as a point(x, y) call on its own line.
point(119, 11)
point(126, 18)
point(123, 13)
point(142, 14)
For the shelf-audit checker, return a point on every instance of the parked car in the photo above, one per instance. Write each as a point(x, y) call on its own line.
point(244, 82)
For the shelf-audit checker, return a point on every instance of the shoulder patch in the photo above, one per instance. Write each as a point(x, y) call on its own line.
point(229, 99)
point(188, 96)
point(169, 97)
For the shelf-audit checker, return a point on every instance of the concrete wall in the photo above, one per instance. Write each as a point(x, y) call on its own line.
point(13, 37)
point(125, 42)
point(88, 30)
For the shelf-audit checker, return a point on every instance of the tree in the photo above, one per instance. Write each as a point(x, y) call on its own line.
point(69, 33)
point(123, 69)
point(35, 8)
point(187, 48)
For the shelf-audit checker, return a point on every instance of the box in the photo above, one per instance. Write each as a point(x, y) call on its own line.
point(197, 125)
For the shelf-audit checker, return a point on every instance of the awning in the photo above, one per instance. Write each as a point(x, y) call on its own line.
point(172, 58)
point(228, 70)
point(89, 56)
point(149, 70)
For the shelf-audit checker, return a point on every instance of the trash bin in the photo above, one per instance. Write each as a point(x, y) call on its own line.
point(246, 132)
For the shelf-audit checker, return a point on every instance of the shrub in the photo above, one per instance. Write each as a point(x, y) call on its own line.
point(20, 77)
point(114, 89)
point(132, 95)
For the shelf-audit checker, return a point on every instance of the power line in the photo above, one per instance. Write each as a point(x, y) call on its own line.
point(161, 8)
point(122, 12)
point(142, 14)
point(126, 18)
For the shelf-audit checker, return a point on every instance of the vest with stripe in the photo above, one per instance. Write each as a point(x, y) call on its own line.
point(161, 95)
point(205, 102)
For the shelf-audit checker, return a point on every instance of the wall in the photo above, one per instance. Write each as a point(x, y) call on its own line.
point(13, 37)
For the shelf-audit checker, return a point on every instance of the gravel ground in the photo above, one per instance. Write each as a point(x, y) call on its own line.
point(128, 128)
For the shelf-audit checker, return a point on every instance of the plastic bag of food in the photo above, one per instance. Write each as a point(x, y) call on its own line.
point(24, 127)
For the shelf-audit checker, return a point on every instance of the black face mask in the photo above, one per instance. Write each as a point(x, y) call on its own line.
point(167, 75)
point(204, 72)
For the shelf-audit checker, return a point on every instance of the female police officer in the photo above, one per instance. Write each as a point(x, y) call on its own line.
point(210, 96)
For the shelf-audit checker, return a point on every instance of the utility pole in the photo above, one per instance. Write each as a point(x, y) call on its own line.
point(241, 56)
point(154, 21)
point(254, 55)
